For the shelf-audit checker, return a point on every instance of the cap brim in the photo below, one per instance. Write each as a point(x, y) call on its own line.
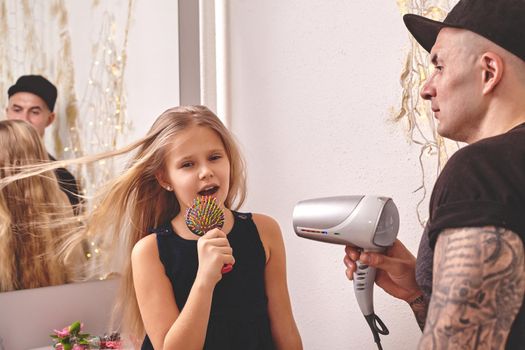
point(424, 30)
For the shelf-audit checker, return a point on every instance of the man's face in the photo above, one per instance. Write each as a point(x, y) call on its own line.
point(454, 88)
point(31, 108)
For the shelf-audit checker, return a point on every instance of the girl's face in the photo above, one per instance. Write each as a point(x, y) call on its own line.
point(197, 165)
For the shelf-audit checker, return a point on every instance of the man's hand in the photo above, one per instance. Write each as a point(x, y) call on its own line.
point(396, 270)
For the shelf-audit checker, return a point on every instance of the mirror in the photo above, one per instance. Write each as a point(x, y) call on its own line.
point(116, 68)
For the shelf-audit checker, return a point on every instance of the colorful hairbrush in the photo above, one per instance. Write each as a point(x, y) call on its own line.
point(203, 216)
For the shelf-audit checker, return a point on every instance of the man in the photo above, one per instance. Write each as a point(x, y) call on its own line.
point(470, 268)
point(32, 99)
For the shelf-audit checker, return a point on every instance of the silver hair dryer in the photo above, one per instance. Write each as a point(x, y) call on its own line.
point(368, 222)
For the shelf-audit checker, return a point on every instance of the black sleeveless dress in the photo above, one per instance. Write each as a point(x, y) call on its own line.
point(239, 313)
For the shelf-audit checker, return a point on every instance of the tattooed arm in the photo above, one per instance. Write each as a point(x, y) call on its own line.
point(478, 288)
point(419, 307)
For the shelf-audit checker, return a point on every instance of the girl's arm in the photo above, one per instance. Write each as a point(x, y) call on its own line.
point(166, 326)
point(284, 330)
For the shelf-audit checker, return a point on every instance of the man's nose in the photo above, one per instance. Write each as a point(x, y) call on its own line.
point(18, 116)
point(23, 115)
point(428, 91)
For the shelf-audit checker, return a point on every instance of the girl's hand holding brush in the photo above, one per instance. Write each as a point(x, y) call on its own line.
point(204, 216)
point(214, 253)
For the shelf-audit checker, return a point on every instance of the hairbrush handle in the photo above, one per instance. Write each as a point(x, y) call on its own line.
point(226, 268)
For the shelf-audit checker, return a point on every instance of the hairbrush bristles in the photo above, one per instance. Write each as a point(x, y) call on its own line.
point(204, 215)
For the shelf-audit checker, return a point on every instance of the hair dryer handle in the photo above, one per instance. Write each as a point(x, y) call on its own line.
point(364, 278)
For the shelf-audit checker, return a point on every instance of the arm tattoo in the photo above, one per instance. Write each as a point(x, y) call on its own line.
point(420, 308)
point(478, 288)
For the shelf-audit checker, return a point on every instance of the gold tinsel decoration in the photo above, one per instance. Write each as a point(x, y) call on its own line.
point(415, 112)
point(35, 39)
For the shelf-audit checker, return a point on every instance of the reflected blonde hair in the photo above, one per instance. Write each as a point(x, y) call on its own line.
point(134, 202)
point(33, 213)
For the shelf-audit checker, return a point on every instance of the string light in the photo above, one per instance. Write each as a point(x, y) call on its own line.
point(36, 40)
point(421, 127)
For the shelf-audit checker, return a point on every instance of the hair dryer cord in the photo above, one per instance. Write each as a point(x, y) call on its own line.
point(378, 327)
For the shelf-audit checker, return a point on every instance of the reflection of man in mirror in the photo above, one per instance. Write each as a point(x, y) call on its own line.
point(32, 99)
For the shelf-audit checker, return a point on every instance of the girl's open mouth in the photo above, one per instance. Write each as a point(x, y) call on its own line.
point(209, 191)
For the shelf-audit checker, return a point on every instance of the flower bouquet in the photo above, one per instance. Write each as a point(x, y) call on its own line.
point(71, 338)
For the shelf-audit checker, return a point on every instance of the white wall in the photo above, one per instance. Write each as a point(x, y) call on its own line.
point(312, 89)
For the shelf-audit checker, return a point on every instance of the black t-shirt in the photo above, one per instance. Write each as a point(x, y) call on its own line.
point(482, 184)
point(68, 185)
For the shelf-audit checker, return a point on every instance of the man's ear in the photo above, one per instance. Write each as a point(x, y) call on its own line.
point(492, 68)
point(50, 119)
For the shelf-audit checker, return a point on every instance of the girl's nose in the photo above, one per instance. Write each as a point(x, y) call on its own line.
point(205, 172)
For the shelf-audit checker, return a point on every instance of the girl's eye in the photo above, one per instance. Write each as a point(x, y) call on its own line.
point(215, 157)
point(186, 164)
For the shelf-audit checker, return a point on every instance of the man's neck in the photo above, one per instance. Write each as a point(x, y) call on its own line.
point(498, 120)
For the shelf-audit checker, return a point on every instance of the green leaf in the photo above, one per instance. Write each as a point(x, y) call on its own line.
point(67, 346)
point(74, 328)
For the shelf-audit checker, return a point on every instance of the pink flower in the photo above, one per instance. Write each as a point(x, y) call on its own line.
point(78, 347)
point(113, 344)
point(59, 347)
point(63, 333)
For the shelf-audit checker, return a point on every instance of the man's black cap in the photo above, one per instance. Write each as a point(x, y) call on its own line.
point(38, 85)
point(500, 21)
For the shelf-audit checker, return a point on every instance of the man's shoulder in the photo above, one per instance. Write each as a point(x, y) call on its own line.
point(62, 173)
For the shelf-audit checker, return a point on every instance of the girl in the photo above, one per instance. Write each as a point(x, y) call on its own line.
point(174, 294)
point(184, 300)
point(35, 214)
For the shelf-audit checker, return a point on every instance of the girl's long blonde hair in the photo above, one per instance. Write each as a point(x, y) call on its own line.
point(134, 202)
point(35, 214)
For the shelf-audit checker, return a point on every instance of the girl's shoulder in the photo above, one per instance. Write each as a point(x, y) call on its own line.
point(144, 247)
point(264, 221)
point(268, 228)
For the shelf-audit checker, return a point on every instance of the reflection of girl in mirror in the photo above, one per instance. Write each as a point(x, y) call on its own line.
point(34, 214)
point(173, 290)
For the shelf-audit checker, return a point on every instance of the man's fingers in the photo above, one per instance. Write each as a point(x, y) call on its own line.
point(383, 262)
point(350, 267)
point(352, 252)
point(399, 250)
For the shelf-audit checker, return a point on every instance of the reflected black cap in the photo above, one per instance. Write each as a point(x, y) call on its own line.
point(38, 85)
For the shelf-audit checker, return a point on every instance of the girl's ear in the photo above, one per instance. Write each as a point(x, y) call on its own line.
point(163, 183)
point(492, 67)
